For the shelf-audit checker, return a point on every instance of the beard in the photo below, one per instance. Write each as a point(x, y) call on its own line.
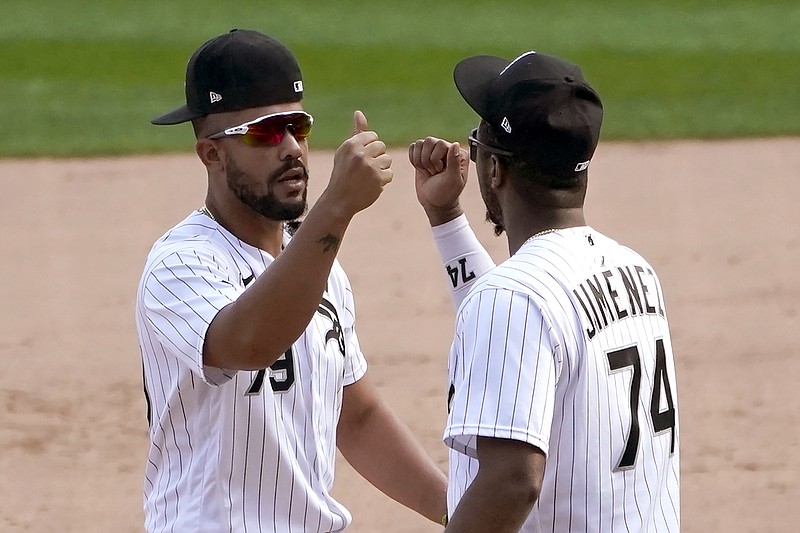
point(268, 205)
point(498, 226)
point(494, 213)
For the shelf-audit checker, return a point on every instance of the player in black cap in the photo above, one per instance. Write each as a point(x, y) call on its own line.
point(562, 407)
point(252, 368)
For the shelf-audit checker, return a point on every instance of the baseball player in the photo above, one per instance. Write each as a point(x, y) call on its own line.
point(562, 406)
point(253, 373)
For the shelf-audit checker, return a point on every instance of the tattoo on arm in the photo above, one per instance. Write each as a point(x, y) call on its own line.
point(329, 242)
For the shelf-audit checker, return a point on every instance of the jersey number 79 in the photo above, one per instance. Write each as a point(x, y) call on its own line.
point(281, 376)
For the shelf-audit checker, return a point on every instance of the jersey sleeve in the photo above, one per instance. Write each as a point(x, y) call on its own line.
point(503, 371)
point(181, 294)
point(462, 255)
point(355, 364)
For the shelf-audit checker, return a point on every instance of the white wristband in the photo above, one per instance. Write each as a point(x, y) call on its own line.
point(462, 255)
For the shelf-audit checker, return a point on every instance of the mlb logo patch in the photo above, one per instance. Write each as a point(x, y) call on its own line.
point(298, 86)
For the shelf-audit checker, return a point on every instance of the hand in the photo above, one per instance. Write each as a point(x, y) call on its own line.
point(440, 176)
point(361, 168)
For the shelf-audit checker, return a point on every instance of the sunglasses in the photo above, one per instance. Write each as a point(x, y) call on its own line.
point(474, 143)
point(270, 130)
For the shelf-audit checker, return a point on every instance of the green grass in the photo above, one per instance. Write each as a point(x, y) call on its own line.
point(84, 77)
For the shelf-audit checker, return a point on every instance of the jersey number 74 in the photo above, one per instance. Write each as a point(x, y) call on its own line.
point(663, 421)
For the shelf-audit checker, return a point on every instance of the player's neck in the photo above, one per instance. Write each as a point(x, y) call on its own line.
point(267, 235)
point(249, 227)
point(538, 209)
point(522, 225)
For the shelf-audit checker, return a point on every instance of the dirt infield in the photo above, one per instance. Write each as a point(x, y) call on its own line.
point(720, 221)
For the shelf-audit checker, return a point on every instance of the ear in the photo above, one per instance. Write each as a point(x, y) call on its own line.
point(498, 174)
point(209, 153)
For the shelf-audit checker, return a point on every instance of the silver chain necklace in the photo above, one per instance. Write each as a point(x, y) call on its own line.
point(208, 213)
point(539, 234)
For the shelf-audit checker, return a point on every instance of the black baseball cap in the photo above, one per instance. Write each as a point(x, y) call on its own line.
point(237, 70)
point(539, 107)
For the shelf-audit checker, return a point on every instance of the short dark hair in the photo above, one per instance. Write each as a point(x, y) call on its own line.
point(197, 126)
point(206, 125)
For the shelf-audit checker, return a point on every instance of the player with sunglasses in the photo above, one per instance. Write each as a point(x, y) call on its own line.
point(253, 373)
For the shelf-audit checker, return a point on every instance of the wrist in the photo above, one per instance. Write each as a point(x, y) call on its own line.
point(441, 215)
point(333, 209)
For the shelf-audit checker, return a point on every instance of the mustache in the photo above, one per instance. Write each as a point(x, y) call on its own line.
point(289, 164)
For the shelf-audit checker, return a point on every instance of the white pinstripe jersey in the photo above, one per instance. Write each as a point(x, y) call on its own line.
point(566, 346)
point(238, 451)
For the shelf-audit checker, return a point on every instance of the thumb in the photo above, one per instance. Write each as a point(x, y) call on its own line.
point(454, 158)
point(359, 122)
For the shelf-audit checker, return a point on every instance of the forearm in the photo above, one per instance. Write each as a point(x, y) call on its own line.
point(462, 255)
point(498, 505)
point(384, 451)
point(507, 484)
point(252, 332)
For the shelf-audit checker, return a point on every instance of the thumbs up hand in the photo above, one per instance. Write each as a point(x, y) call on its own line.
point(361, 168)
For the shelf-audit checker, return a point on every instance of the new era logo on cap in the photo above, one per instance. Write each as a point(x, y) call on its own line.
point(214, 97)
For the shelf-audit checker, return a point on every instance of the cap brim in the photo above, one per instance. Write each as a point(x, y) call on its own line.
point(176, 116)
point(474, 77)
